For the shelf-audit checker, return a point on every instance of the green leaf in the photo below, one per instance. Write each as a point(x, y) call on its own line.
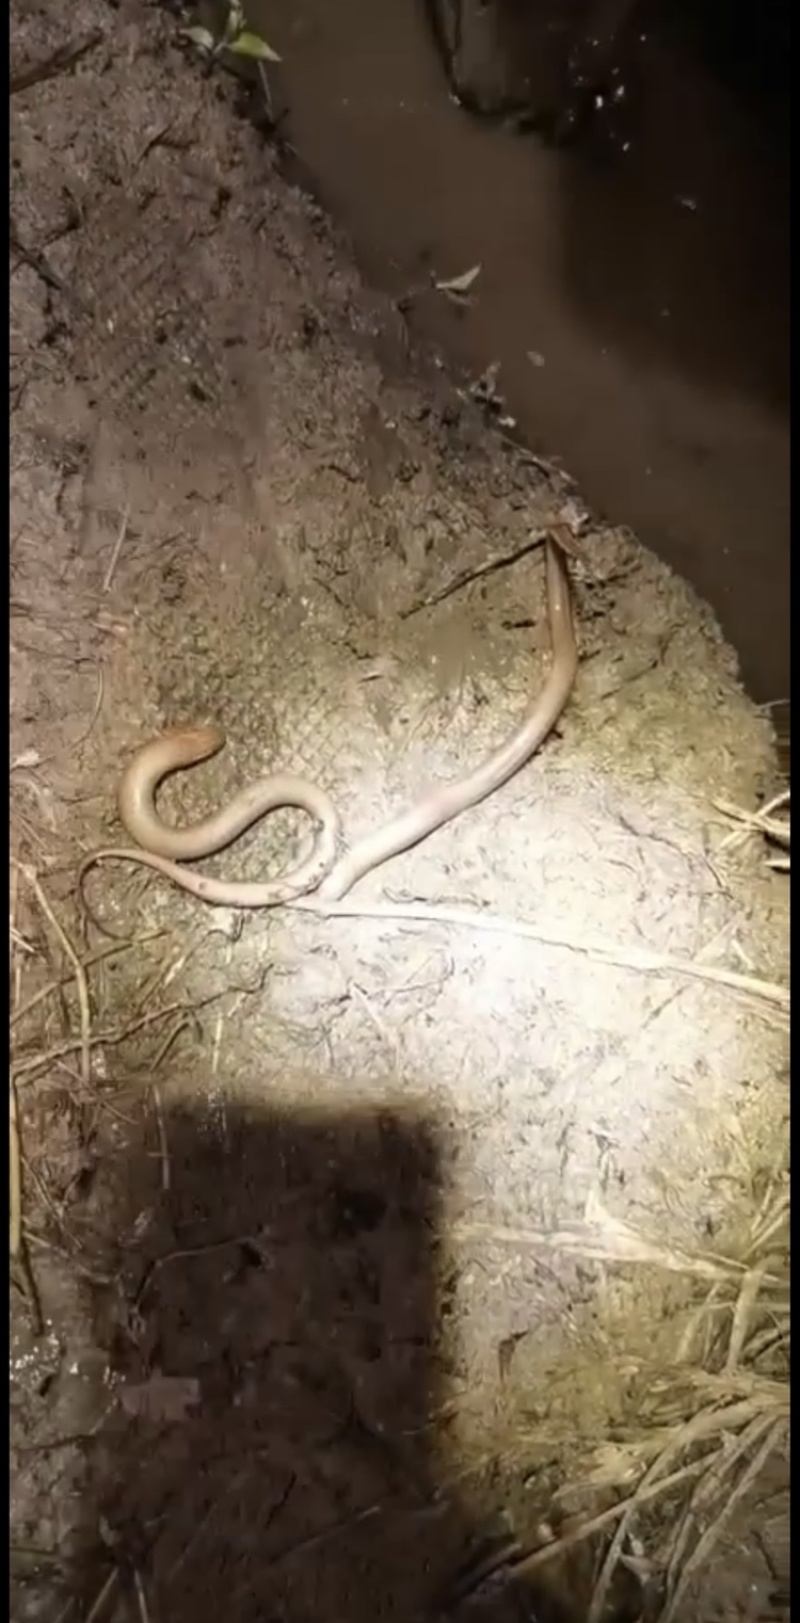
point(201, 38)
point(250, 45)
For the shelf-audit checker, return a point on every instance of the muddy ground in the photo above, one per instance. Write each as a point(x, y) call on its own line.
point(322, 1290)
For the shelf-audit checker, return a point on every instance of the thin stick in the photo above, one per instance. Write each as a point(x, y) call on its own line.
point(680, 1441)
point(762, 821)
point(15, 1176)
point(167, 973)
point(98, 1039)
point(100, 1599)
point(643, 959)
point(783, 798)
point(98, 705)
point(654, 1472)
point(163, 1146)
point(583, 1244)
point(95, 957)
point(13, 901)
point(18, 1250)
point(746, 1304)
point(185, 1023)
point(605, 1518)
point(80, 974)
point(187, 1253)
point(707, 1491)
point(705, 1545)
point(57, 62)
point(114, 560)
point(465, 577)
point(140, 1596)
point(182, 1024)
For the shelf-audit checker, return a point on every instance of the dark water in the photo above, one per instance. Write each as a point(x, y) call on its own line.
point(647, 266)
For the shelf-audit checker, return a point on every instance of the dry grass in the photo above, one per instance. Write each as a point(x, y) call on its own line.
point(716, 1412)
point(771, 822)
point(716, 1409)
point(64, 1034)
point(639, 960)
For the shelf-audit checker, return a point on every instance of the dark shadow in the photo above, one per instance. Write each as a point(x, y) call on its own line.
point(289, 1274)
point(278, 1329)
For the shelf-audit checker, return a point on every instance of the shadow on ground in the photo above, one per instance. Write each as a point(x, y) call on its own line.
point(279, 1354)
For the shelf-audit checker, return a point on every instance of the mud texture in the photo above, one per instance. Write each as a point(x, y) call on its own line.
point(293, 1187)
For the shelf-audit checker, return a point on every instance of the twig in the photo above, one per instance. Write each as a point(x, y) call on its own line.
point(186, 1254)
point(465, 577)
point(760, 1391)
point(162, 1138)
point(604, 1519)
point(718, 1463)
point(582, 1244)
point(67, 1609)
point(98, 705)
point(762, 821)
point(467, 1583)
point(706, 1543)
point(114, 559)
point(91, 958)
point(652, 1475)
point(167, 973)
point(100, 1599)
point(379, 1024)
point(783, 798)
point(18, 1249)
point(312, 1541)
point(14, 1176)
point(57, 62)
point(41, 1186)
point(746, 1304)
point(140, 1596)
point(216, 1046)
point(642, 959)
point(186, 1021)
point(80, 974)
point(266, 93)
point(98, 1039)
point(773, 1214)
point(16, 938)
point(707, 1490)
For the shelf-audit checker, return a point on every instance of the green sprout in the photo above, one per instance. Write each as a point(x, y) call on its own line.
point(236, 38)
